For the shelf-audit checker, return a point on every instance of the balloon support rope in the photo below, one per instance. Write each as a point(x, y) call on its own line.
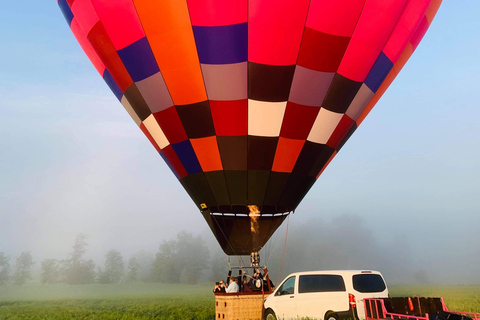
point(284, 248)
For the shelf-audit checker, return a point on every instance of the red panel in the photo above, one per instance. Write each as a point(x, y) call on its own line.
point(100, 41)
point(230, 117)
point(321, 51)
point(334, 17)
point(340, 131)
point(87, 47)
point(376, 23)
point(174, 161)
point(70, 2)
point(120, 19)
point(85, 13)
point(298, 121)
point(275, 30)
point(287, 154)
point(171, 125)
point(217, 12)
point(149, 136)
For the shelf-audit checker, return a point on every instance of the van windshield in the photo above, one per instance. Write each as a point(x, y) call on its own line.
point(321, 283)
point(368, 283)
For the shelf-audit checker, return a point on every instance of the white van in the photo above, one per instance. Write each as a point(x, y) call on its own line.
point(325, 295)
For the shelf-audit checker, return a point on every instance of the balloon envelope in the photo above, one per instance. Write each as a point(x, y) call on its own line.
point(247, 101)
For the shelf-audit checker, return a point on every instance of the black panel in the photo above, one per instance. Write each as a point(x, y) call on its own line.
point(269, 83)
point(199, 190)
point(137, 102)
point(197, 119)
point(235, 236)
point(341, 94)
point(261, 152)
point(257, 186)
point(237, 187)
point(276, 184)
point(218, 185)
point(296, 188)
point(310, 156)
point(233, 151)
point(322, 158)
point(347, 136)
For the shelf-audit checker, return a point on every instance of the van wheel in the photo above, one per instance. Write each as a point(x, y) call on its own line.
point(269, 315)
point(331, 316)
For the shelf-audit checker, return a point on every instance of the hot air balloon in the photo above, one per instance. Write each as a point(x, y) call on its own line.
point(248, 101)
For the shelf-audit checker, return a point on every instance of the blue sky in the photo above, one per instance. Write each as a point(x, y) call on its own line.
point(73, 161)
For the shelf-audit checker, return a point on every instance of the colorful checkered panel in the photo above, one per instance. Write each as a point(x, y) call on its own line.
point(247, 101)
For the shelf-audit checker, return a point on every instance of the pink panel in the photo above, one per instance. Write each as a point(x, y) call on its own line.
point(413, 14)
point(217, 12)
point(337, 18)
point(275, 30)
point(85, 13)
point(369, 38)
point(87, 47)
point(120, 19)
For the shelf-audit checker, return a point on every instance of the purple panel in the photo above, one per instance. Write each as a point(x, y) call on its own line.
point(186, 154)
point(379, 72)
point(112, 85)
point(139, 60)
point(67, 12)
point(222, 44)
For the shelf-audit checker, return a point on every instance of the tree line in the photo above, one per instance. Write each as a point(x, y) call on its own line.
point(183, 259)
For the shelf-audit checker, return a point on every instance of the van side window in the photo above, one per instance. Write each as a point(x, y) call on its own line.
point(368, 283)
point(321, 283)
point(286, 287)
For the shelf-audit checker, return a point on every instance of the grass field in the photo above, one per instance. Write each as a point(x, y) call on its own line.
point(158, 301)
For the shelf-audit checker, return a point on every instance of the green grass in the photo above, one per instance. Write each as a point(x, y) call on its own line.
point(159, 301)
point(457, 298)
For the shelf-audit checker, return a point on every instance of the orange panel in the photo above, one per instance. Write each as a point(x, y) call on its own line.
point(162, 16)
point(432, 10)
point(185, 85)
point(287, 154)
point(175, 50)
point(167, 26)
point(207, 153)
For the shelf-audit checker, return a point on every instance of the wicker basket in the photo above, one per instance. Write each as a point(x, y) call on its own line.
point(239, 306)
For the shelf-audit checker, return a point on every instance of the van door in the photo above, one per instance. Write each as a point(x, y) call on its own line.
point(319, 293)
point(367, 285)
point(284, 298)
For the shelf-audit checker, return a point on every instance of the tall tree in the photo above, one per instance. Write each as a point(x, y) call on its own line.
point(166, 266)
point(79, 270)
point(51, 271)
point(23, 268)
point(4, 269)
point(114, 268)
point(183, 258)
point(133, 268)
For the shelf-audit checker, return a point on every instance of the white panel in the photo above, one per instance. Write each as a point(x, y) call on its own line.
point(363, 97)
point(265, 118)
point(324, 125)
point(152, 126)
point(130, 111)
